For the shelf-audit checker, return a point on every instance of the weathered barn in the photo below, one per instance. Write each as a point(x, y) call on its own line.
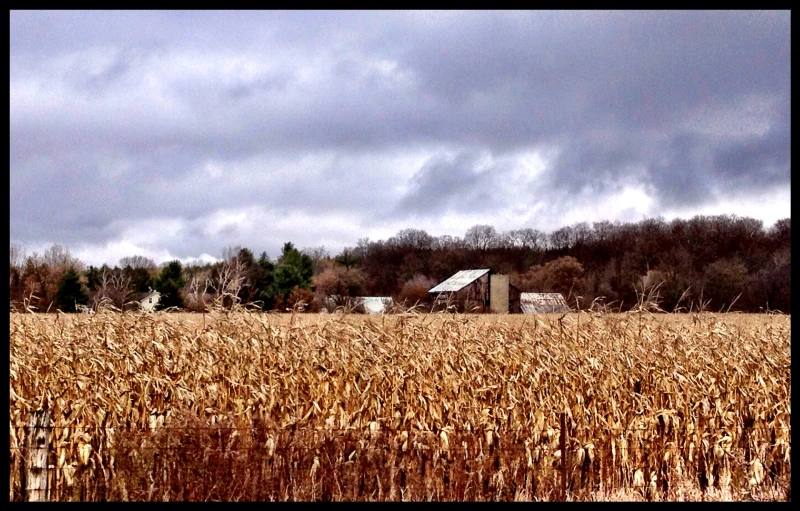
point(476, 291)
point(542, 303)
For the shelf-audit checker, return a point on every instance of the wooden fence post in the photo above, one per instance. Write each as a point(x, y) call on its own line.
point(562, 444)
point(36, 463)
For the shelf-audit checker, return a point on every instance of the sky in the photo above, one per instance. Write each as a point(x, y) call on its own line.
point(177, 134)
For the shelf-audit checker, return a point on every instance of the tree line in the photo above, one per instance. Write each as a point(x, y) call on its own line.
point(722, 262)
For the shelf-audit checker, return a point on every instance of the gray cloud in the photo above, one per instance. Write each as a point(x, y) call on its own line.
point(385, 119)
point(757, 161)
point(445, 183)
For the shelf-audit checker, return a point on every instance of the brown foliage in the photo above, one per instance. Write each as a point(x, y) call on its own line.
point(563, 275)
point(416, 290)
point(340, 281)
point(299, 299)
point(724, 281)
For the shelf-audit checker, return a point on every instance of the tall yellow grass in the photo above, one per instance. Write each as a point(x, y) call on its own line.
point(247, 406)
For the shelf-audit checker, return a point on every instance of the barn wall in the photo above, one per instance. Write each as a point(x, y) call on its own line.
point(475, 297)
point(472, 298)
point(514, 303)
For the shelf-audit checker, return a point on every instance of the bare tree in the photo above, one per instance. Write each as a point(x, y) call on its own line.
point(114, 290)
point(581, 234)
point(413, 238)
point(526, 237)
point(230, 275)
point(533, 238)
point(16, 269)
point(137, 262)
point(317, 254)
point(362, 249)
point(58, 257)
point(481, 237)
point(43, 273)
point(17, 255)
point(560, 238)
point(338, 286)
point(505, 239)
point(445, 241)
point(781, 258)
point(196, 291)
point(231, 252)
point(604, 231)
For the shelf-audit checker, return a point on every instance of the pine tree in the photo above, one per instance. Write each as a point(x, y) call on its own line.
point(294, 269)
point(169, 283)
point(70, 292)
point(263, 281)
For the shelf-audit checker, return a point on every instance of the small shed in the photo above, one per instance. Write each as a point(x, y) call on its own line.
point(149, 301)
point(543, 303)
point(375, 304)
point(370, 304)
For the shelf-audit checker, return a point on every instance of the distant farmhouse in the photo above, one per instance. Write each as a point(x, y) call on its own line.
point(149, 301)
point(543, 303)
point(477, 291)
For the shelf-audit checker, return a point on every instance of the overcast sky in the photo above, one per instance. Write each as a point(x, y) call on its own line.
point(177, 134)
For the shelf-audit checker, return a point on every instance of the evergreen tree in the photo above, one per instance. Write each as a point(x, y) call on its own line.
point(294, 269)
point(248, 291)
point(141, 281)
point(263, 280)
point(347, 258)
point(169, 283)
point(70, 292)
point(94, 277)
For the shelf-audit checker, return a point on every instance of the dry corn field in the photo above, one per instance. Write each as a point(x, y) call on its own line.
point(260, 407)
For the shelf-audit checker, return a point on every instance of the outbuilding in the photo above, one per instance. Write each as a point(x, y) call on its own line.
point(478, 290)
point(543, 303)
point(366, 304)
point(149, 301)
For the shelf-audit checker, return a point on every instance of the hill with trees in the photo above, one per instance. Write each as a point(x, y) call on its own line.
point(722, 262)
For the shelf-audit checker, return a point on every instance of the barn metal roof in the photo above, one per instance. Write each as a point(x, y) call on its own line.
point(542, 303)
point(459, 281)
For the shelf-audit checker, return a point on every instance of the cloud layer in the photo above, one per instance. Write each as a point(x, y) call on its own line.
point(179, 133)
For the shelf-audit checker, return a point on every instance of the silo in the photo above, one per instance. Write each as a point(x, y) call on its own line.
point(498, 293)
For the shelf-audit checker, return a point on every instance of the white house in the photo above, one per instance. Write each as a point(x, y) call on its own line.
point(150, 300)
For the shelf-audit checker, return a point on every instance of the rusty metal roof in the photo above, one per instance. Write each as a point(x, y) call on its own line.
point(542, 303)
point(459, 281)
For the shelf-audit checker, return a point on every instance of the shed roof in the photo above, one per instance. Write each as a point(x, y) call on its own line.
point(375, 304)
point(149, 294)
point(372, 304)
point(541, 303)
point(459, 281)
